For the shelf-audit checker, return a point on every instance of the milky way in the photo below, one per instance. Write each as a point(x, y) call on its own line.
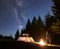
point(14, 13)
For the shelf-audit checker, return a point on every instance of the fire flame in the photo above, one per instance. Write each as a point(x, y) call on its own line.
point(42, 42)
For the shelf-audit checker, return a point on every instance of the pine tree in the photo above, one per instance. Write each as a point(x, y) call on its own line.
point(40, 24)
point(17, 34)
point(56, 8)
point(34, 22)
point(56, 12)
point(47, 21)
point(40, 28)
point(28, 27)
point(23, 31)
point(34, 28)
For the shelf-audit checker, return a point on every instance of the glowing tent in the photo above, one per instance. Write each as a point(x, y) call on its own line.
point(25, 37)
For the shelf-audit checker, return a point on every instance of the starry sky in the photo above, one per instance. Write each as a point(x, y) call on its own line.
point(14, 13)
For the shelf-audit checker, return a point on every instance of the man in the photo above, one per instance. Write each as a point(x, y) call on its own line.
point(48, 38)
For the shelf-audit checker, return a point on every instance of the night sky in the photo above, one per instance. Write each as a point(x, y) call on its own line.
point(14, 13)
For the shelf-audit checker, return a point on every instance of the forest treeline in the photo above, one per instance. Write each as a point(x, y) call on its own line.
point(37, 27)
point(5, 37)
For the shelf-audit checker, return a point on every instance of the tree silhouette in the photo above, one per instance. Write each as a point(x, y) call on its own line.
point(34, 22)
point(28, 27)
point(49, 20)
point(55, 27)
point(40, 24)
point(56, 12)
point(56, 8)
point(17, 34)
point(1, 36)
point(23, 31)
point(6, 37)
point(40, 28)
point(34, 28)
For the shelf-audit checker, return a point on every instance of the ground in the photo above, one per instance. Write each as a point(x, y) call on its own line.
point(22, 45)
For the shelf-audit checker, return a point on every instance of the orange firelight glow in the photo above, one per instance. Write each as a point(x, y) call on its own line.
point(42, 42)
